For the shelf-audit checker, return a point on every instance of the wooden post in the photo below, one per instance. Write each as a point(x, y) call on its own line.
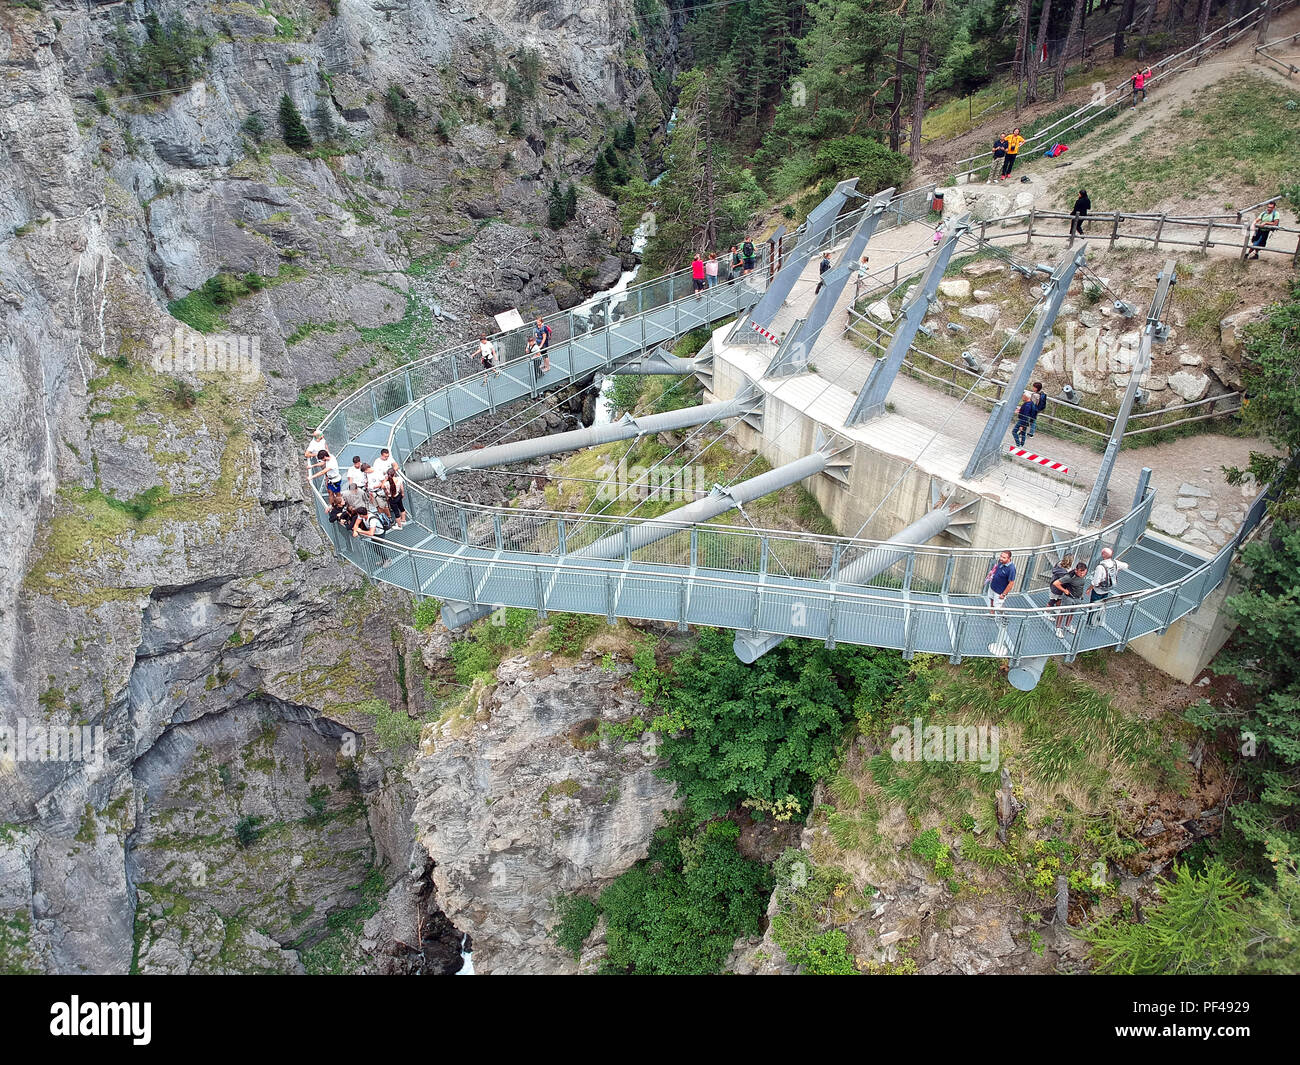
point(1159, 227)
point(1205, 244)
point(1245, 243)
point(1114, 232)
point(1029, 233)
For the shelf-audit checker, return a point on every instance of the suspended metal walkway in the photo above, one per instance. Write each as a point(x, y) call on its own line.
point(760, 583)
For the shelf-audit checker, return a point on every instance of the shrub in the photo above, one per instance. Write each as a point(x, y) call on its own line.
point(426, 614)
point(578, 917)
point(403, 110)
point(764, 731)
point(570, 632)
point(246, 831)
point(681, 909)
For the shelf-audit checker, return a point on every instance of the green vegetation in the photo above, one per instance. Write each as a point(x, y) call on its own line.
point(255, 126)
point(338, 952)
point(809, 898)
point(394, 727)
point(488, 640)
point(402, 109)
point(204, 309)
point(292, 127)
point(578, 917)
point(1205, 924)
point(569, 633)
point(1238, 132)
point(167, 61)
point(760, 734)
point(680, 910)
point(426, 614)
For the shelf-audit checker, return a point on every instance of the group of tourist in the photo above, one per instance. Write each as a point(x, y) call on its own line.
point(740, 261)
point(369, 500)
point(538, 349)
point(1068, 583)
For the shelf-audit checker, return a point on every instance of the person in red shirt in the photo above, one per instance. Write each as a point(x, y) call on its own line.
point(697, 273)
point(1140, 80)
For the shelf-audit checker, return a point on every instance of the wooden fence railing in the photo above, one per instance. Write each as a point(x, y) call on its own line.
point(1160, 230)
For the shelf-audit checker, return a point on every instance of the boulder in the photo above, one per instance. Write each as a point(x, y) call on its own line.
point(985, 312)
point(1090, 319)
point(1186, 358)
point(880, 311)
point(984, 268)
point(1186, 502)
point(1166, 519)
point(955, 288)
point(1155, 382)
point(1230, 328)
point(1083, 383)
point(1189, 489)
point(982, 294)
point(1190, 387)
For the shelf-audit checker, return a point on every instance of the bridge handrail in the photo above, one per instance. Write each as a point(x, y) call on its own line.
point(915, 600)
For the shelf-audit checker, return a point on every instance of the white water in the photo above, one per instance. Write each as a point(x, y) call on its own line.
point(467, 956)
point(639, 239)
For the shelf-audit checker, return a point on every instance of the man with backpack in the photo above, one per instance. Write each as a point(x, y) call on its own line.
point(736, 263)
point(1103, 583)
point(1068, 588)
point(1040, 404)
point(747, 254)
point(538, 347)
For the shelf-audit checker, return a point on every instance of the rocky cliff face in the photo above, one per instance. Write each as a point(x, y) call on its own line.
point(164, 581)
point(521, 801)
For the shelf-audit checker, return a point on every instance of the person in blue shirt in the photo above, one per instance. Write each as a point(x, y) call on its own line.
point(1025, 416)
point(1001, 579)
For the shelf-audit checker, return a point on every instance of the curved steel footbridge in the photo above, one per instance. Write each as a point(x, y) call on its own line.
point(682, 566)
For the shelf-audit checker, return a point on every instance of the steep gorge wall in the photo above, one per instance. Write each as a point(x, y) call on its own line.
point(163, 579)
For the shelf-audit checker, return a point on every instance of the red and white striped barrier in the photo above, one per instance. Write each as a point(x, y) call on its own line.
point(1020, 452)
point(763, 332)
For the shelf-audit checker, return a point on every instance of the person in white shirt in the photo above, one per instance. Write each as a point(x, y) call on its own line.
point(1103, 582)
point(314, 448)
point(487, 357)
point(356, 475)
point(382, 463)
point(374, 481)
point(330, 471)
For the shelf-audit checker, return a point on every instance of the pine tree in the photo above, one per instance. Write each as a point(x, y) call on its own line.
point(570, 203)
point(255, 126)
point(326, 127)
point(296, 135)
point(555, 216)
point(1200, 928)
point(602, 175)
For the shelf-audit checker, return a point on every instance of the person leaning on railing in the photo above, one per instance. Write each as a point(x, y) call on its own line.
point(1265, 222)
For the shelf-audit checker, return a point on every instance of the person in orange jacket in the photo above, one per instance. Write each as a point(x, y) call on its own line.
point(1014, 141)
